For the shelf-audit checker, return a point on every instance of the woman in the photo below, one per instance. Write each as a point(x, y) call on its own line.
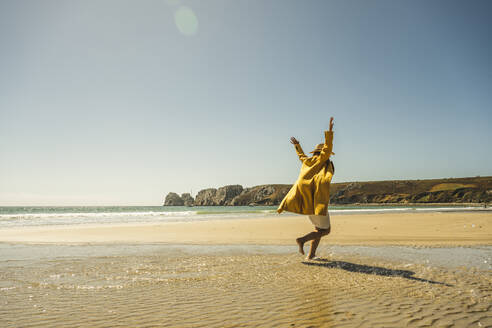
point(311, 193)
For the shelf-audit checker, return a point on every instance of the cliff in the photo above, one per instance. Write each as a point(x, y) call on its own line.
point(453, 190)
point(261, 195)
point(173, 199)
point(218, 197)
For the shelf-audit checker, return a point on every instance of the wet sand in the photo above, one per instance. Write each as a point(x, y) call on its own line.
point(171, 287)
point(428, 229)
point(132, 276)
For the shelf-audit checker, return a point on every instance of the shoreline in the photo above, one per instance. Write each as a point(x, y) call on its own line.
point(454, 257)
point(431, 229)
point(247, 272)
point(481, 204)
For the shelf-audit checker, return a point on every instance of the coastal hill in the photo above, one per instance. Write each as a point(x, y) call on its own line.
point(452, 190)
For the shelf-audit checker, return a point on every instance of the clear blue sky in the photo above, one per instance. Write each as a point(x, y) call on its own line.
point(120, 102)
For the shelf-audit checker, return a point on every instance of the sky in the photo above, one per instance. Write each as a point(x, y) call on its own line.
point(115, 102)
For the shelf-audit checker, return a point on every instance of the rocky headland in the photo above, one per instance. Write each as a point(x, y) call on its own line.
point(453, 190)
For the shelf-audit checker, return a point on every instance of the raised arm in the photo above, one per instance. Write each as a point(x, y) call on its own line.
point(299, 151)
point(326, 152)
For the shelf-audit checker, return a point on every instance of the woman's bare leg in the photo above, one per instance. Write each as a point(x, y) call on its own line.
point(310, 236)
point(314, 246)
point(300, 243)
point(315, 236)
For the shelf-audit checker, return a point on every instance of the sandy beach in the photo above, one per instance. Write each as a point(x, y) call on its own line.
point(417, 229)
point(373, 271)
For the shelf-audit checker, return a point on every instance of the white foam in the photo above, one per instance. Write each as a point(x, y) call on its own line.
point(360, 210)
point(92, 214)
point(440, 209)
point(8, 220)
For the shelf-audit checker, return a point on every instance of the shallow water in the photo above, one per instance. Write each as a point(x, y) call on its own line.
point(479, 257)
point(232, 286)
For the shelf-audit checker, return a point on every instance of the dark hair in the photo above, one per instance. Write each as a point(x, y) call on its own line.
point(328, 162)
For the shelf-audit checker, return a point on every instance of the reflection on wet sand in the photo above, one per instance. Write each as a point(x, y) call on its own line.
point(170, 288)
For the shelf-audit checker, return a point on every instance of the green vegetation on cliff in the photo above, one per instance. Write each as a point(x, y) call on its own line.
point(453, 190)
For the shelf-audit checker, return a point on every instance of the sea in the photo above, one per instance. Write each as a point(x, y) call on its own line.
point(23, 216)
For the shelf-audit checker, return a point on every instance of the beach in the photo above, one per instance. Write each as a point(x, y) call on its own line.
point(173, 163)
point(374, 270)
point(413, 229)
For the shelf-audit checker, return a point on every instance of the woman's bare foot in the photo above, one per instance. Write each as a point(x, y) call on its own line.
point(300, 243)
point(310, 257)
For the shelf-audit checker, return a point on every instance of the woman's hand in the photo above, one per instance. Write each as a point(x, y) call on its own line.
point(331, 123)
point(294, 141)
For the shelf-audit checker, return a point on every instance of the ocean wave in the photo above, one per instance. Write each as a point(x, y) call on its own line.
point(404, 209)
point(57, 216)
point(123, 217)
point(440, 209)
point(236, 212)
point(94, 214)
point(361, 210)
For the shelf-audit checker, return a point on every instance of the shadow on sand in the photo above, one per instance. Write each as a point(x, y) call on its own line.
point(367, 269)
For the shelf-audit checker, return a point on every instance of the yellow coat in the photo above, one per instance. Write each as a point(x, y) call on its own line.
point(311, 193)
